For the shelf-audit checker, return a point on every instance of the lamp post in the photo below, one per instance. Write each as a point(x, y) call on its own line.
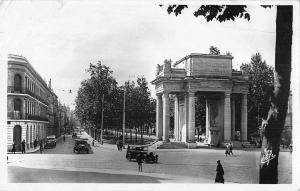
point(123, 134)
point(101, 136)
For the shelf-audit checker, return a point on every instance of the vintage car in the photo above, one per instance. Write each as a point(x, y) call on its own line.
point(81, 146)
point(134, 150)
point(50, 142)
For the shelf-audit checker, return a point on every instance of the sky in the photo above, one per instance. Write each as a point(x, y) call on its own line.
point(61, 38)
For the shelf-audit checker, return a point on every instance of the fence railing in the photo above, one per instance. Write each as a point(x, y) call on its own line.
point(13, 89)
point(25, 116)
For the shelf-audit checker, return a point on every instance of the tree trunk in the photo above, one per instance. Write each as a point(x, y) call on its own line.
point(142, 140)
point(273, 126)
point(136, 139)
point(130, 135)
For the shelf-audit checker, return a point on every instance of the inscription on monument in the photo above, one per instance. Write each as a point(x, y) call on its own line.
point(211, 66)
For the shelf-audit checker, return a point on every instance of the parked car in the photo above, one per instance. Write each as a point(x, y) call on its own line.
point(50, 142)
point(81, 146)
point(134, 150)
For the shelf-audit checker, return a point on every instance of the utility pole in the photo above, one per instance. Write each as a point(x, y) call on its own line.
point(123, 134)
point(101, 136)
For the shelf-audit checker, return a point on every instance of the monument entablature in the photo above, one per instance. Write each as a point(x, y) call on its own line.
point(210, 75)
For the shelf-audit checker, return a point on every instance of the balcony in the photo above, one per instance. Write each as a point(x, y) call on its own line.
point(25, 116)
point(12, 89)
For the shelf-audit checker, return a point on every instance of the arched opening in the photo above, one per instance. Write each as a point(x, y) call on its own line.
point(17, 108)
point(18, 83)
point(17, 136)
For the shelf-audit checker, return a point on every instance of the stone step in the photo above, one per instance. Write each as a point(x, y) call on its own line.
point(172, 145)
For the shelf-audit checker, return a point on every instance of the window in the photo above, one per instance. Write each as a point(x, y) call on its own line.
point(17, 83)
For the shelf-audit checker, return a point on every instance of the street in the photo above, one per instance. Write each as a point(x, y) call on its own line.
point(108, 165)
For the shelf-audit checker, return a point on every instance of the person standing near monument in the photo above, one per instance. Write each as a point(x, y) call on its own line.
point(220, 173)
point(23, 146)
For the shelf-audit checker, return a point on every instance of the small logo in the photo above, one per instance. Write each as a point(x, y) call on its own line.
point(267, 156)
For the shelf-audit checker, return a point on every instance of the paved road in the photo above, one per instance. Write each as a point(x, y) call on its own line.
point(109, 165)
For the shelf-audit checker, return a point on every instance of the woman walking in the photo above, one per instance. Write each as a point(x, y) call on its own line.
point(220, 173)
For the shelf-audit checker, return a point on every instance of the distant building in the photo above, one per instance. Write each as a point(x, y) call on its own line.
point(27, 103)
point(53, 114)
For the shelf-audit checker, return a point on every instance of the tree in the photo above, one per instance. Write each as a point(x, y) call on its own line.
point(261, 80)
point(274, 123)
point(89, 100)
point(214, 50)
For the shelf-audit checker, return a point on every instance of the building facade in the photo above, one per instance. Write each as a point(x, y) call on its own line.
point(27, 103)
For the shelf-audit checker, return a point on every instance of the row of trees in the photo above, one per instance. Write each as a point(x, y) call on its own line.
point(101, 92)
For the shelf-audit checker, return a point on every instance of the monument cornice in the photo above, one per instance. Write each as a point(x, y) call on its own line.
point(203, 56)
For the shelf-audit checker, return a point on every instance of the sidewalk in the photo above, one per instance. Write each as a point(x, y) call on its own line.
point(33, 150)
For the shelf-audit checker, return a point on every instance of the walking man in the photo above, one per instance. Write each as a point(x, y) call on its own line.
point(227, 149)
point(41, 147)
point(93, 143)
point(230, 148)
point(139, 160)
point(220, 173)
point(13, 148)
point(23, 146)
point(64, 138)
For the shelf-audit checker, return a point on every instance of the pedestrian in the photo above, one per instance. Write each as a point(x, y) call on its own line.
point(139, 160)
point(220, 173)
point(230, 148)
point(118, 145)
point(23, 146)
point(35, 143)
point(41, 147)
point(13, 150)
point(93, 143)
point(227, 149)
point(64, 138)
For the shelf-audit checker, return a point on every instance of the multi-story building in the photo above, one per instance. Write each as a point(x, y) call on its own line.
point(53, 113)
point(27, 103)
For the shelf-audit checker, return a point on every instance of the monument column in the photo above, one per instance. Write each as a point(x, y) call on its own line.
point(233, 116)
point(176, 118)
point(227, 117)
point(191, 117)
point(244, 117)
point(166, 116)
point(207, 123)
point(159, 116)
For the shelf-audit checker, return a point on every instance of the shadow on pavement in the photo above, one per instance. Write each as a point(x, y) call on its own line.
point(29, 175)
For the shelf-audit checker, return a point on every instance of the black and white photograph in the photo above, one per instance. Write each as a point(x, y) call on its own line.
point(149, 95)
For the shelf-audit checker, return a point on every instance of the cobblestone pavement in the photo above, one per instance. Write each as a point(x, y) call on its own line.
point(174, 165)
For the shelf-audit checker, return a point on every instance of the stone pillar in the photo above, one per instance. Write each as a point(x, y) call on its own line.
point(233, 117)
point(244, 118)
point(166, 116)
point(176, 118)
point(159, 117)
point(227, 117)
point(191, 117)
point(207, 123)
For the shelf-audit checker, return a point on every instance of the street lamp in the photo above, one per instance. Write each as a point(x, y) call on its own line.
point(101, 133)
point(124, 118)
point(102, 105)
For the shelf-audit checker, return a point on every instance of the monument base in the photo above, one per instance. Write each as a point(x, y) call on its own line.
point(191, 145)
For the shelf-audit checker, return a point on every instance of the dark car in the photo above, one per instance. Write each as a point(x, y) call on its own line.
point(50, 142)
point(134, 150)
point(81, 146)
